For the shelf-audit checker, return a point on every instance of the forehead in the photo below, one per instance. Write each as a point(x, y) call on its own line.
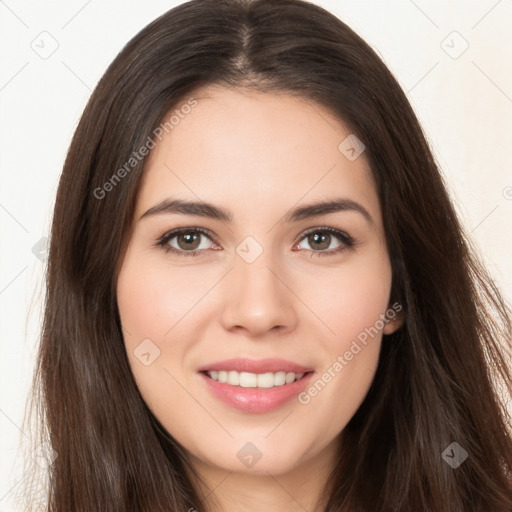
point(251, 151)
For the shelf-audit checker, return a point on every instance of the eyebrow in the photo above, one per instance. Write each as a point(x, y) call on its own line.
point(204, 209)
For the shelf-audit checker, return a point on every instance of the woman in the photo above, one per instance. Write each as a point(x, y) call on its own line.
point(330, 342)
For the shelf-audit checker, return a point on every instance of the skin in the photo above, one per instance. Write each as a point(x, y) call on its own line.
point(259, 156)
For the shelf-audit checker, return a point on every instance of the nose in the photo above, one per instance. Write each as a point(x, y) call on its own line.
point(258, 298)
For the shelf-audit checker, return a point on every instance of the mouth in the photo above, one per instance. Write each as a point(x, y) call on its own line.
point(255, 385)
point(265, 380)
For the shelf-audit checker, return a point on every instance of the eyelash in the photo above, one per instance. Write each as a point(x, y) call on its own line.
point(348, 242)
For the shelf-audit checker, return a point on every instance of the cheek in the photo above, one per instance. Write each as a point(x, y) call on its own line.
point(153, 297)
point(151, 300)
point(352, 305)
point(352, 299)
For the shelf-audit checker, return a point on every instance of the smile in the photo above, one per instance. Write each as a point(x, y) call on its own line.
point(255, 380)
point(253, 392)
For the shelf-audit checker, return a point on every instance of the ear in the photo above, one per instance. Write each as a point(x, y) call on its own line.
point(394, 324)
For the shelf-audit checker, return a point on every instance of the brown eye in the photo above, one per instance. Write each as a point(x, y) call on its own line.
point(325, 241)
point(319, 240)
point(186, 241)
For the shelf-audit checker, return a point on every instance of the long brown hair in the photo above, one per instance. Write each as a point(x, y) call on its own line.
point(435, 384)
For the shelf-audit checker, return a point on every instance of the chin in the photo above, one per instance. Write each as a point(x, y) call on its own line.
point(256, 458)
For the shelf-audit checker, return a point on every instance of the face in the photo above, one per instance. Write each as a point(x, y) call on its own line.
point(284, 300)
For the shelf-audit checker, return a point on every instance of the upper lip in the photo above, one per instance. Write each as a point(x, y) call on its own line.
point(255, 366)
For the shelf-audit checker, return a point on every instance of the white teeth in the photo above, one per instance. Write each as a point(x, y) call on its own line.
point(280, 378)
point(234, 378)
point(266, 380)
point(254, 380)
point(246, 380)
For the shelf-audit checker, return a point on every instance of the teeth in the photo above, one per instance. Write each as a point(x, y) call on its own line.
point(254, 380)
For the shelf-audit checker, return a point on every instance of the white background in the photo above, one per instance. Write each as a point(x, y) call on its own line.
point(464, 104)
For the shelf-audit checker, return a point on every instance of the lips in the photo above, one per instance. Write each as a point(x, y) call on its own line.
point(256, 366)
point(252, 399)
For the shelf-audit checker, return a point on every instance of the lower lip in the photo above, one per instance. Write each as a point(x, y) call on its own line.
point(256, 399)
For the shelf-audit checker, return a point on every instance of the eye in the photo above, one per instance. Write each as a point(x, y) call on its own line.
point(193, 241)
point(321, 241)
point(186, 241)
